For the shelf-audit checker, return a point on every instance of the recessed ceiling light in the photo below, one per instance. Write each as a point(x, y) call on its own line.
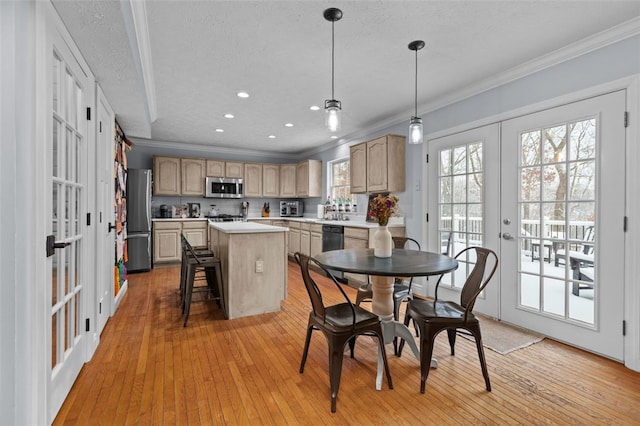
point(314, 108)
point(334, 137)
point(243, 95)
point(271, 136)
point(228, 116)
point(219, 130)
point(288, 125)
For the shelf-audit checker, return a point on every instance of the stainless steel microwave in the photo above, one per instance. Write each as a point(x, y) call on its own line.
point(217, 187)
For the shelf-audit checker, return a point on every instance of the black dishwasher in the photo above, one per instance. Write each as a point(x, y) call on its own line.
point(333, 239)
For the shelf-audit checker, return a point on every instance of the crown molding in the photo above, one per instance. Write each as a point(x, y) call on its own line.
point(200, 148)
point(135, 14)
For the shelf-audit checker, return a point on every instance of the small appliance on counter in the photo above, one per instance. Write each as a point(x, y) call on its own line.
point(165, 211)
point(214, 211)
point(291, 208)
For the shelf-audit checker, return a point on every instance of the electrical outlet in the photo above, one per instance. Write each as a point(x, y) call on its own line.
point(259, 266)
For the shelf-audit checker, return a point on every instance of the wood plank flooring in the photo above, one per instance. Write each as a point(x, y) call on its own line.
point(149, 370)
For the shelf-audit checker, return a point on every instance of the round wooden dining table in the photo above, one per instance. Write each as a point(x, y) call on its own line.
point(402, 263)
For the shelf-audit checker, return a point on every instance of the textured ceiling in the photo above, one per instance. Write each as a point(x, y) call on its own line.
point(204, 52)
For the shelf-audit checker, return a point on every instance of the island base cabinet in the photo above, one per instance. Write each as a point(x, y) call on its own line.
point(254, 271)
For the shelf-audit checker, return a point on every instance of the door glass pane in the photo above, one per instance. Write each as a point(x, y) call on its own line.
point(460, 204)
point(557, 220)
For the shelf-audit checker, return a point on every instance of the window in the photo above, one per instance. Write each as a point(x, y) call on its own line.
point(339, 181)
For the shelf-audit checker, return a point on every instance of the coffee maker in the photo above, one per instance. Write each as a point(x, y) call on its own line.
point(245, 210)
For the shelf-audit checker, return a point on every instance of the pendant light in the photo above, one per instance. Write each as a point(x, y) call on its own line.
point(415, 124)
point(332, 107)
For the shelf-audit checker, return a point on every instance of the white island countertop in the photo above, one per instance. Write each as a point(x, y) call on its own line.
point(246, 227)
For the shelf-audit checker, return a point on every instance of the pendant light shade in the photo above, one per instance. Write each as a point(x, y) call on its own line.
point(415, 124)
point(332, 107)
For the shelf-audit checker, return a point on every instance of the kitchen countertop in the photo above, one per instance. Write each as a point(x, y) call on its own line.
point(176, 219)
point(355, 223)
point(245, 227)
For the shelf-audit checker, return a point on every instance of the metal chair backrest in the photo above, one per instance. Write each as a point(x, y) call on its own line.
point(317, 304)
point(478, 278)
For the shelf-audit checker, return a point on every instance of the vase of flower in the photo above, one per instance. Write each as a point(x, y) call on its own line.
point(381, 208)
point(382, 242)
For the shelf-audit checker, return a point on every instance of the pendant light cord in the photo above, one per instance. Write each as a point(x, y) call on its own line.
point(416, 87)
point(333, 57)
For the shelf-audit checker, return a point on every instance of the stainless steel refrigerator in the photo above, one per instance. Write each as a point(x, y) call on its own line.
point(138, 220)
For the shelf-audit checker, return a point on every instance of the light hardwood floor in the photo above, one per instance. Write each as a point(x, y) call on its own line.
point(149, 370)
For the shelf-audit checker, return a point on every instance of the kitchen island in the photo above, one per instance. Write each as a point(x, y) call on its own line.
point(254, 265)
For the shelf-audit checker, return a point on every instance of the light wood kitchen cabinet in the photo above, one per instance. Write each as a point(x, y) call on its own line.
point(252, 180)
point(193, 172)
point(381, 168)
point(215, 168)
point(166, 176)
point(309, 178)
point(305, 238)
point(288, 180)
point(233, 169)
point(294, 237)
point(167, 245)
point(166, 242)
point(316, 240)
point(270, 180)
point(195, 232)
point(358, 168)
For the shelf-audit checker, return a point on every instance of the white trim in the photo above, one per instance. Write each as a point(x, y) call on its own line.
point(138, 11)
point(632, 237)
point(235, 152)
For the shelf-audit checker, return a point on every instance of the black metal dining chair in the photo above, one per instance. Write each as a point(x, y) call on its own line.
point(340, 323)
point(434, 316)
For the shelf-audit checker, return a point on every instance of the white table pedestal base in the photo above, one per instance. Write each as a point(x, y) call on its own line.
point(383, 306)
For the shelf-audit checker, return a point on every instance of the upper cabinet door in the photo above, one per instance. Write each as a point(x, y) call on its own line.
point(166, 176)
point(215, 168)
point(193, 174)
point(270, 180)
point(234, 169)
point(358, 168)
point(252, 180)
point(288, 180)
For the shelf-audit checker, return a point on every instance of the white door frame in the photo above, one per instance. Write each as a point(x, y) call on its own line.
point(632, 240)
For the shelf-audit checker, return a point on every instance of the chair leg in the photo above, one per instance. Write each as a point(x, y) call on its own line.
point(352, 346)
point(336, 351)
point(427, 339)
point(451, 332)
point(190, 276)
point(483, 362)
point(305, 352)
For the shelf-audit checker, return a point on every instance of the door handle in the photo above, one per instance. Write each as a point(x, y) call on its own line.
point(52, 245)
point(111, 227)
point(507, 236)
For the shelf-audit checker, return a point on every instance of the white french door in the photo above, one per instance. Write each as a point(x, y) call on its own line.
point(546, 192)
point(562, 215)
point(105, 215)
point(66, 206)
point(463, 201)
